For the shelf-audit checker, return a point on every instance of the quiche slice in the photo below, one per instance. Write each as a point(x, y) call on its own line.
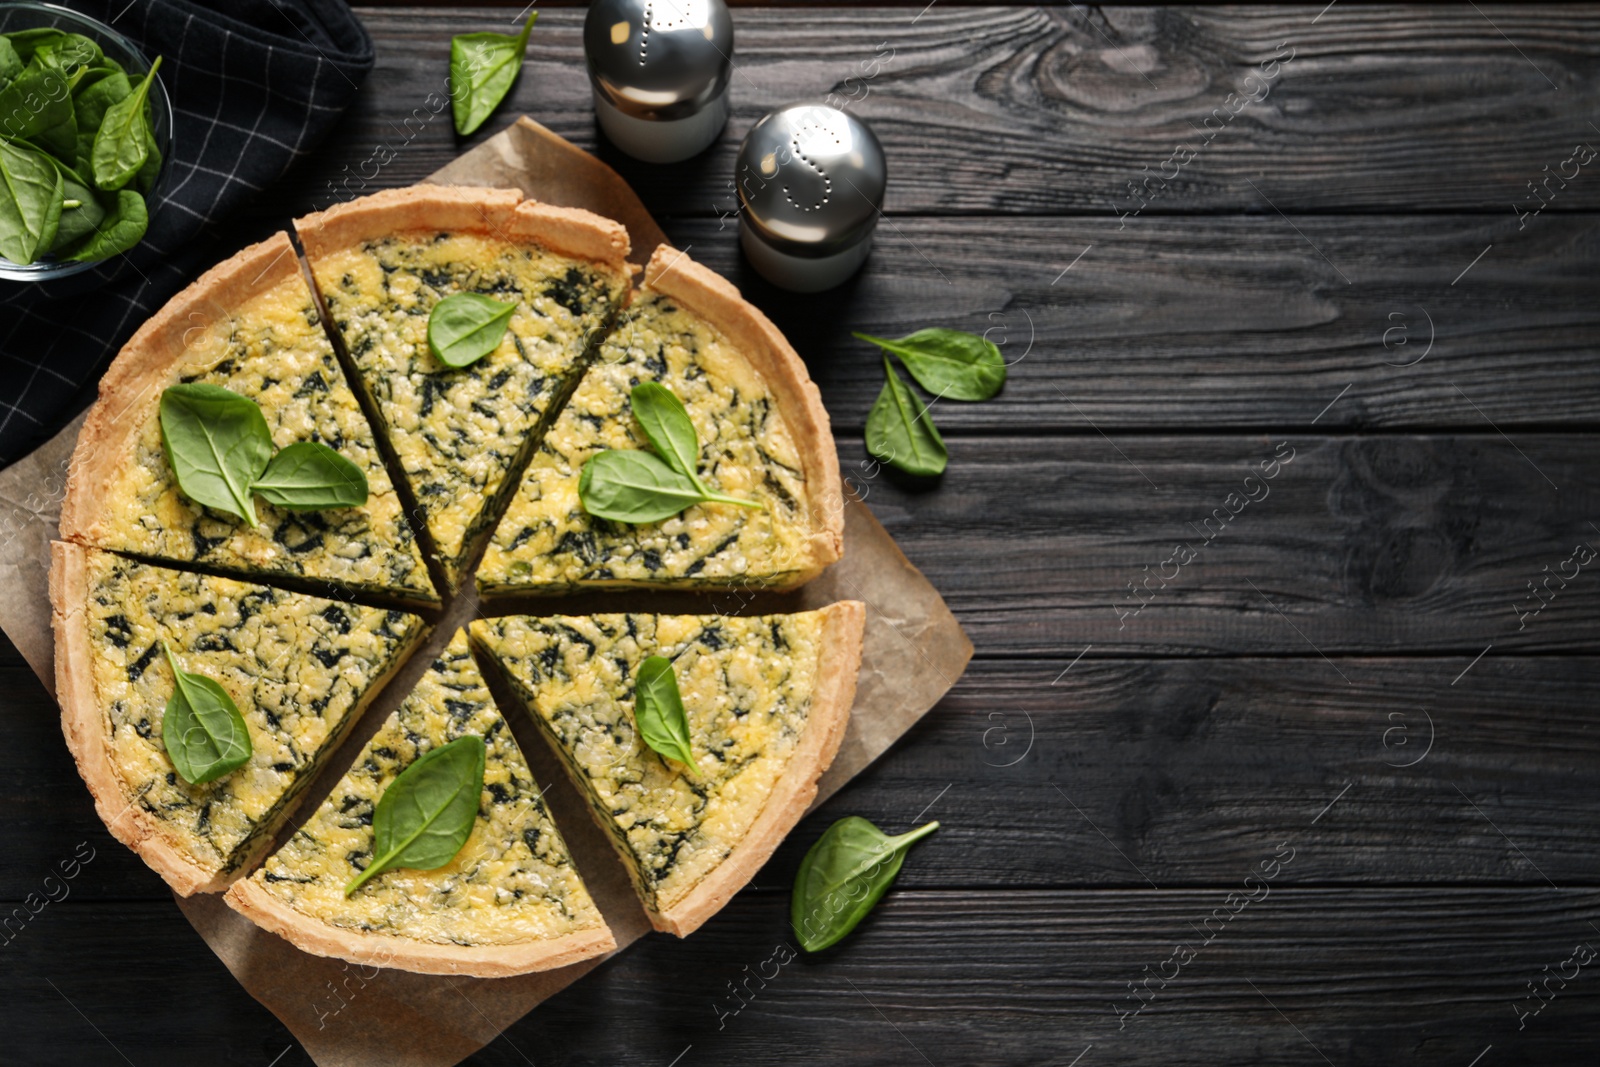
point(299, 668)
point(250, 325)
point(767, 699)
point(763, 436)
point(509, 903)
point(461, 434)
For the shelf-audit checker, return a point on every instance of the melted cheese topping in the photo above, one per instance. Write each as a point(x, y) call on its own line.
point(458, 432)
point(547, 541)
point(512, 882)
point(296, 666)
point(747, 687)
point(273, 350)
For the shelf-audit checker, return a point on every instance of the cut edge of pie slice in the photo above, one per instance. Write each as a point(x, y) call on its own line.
point(91, 736)
point(191, 337)
point(503, 216)
point(670, 273)
point(467, 896)
point(793, 790)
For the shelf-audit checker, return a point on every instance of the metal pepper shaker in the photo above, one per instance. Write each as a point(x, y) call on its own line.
point(810, 180)
point(660, 70)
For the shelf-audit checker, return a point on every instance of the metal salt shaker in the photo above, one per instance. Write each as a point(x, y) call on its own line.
point(659, 70)
point(810, 180)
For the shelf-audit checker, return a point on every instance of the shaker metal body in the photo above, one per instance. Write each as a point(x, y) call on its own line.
point(659, 70)
point(810, 180)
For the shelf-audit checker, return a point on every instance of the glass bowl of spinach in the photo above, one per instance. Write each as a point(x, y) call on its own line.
point(85, 132)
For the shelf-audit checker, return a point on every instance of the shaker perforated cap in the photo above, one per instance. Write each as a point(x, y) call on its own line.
point(810, 180)
point(662, 60)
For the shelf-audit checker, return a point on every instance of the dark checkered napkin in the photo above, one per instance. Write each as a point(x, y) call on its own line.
point(255, 84)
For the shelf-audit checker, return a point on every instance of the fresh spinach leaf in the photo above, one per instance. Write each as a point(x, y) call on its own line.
point(10, 63)
point(464, 328)
point(671, 433)
point(428, 811)
point(637, 487)
point(37, 99)
point(60, 140)
point(202, 729)
point(658, 709)
point(122, 227)
point(633, 486)
point(145, 180)
point(310, 476)
point(30, 202)
point(27, 42)
point(218, 445)
point(90, 105)
point(668, 428)
point(123, 140)
point(81, 210)
point(843, 877)
point(949, 363)
point(482, 68)
point(901, 432)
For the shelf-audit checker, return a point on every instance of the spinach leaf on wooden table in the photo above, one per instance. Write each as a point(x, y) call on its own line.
point(949, 363)
point(901, 432)
point(842, 878)
point(483, 67)
point(428, 811)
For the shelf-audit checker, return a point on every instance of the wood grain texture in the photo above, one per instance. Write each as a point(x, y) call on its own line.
point(1215, 324)
point(1408, 975)
point(1045, 110)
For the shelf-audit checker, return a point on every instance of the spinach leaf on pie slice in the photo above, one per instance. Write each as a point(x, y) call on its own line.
point(504, 900)
point(766, 508)
point(249, 326)
point(766, 700)
point(462, 426)
point(297, 669)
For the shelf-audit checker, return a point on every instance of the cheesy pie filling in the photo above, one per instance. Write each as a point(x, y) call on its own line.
point(513, 881)
point(272, 349)
point(458, 432)
point(296, 666)
point(548, 542)
point(747, 687)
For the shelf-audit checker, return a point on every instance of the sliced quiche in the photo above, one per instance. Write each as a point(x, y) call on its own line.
point(299, 668)
point(767, 699)
point(249, 325)
point(510, 901)
point(461, 434)
point(763, 436)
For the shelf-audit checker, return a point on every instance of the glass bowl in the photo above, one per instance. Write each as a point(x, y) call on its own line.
point(18, 15)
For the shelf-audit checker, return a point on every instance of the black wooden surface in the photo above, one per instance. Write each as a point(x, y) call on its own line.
point(1343, 673)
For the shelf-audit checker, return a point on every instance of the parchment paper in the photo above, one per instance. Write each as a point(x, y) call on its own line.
point(349, 1016)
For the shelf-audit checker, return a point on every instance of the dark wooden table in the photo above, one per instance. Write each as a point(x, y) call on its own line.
point(1328, 790)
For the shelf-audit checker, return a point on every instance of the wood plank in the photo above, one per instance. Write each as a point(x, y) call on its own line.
point(1045, 110)
point(1215, 324)
point(1358, 545)
point(1425, 976)
point(1119, 771)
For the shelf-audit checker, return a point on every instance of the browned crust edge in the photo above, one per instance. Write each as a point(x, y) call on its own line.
point(672, 273)
point(378, 950)
point(84, 727)
point(150, 360)
point(840, 652)
point(500, 213)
